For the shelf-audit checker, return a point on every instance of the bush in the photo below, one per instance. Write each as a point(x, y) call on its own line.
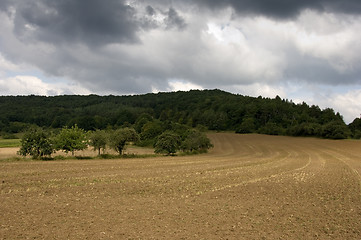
point(146, 143)
point(168, 143)
point(151, 130)
point(305, 129)
point(98, 140)
point(272, 129)
point(247, 126)
point(59, 157)
point(355, 128)
point(357, 134)
point(335, 130)
point(36, 143)
point(71, 139)
point(196, 141)
point(120, 137)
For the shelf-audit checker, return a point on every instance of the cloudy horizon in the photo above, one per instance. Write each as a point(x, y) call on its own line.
point(299, 50)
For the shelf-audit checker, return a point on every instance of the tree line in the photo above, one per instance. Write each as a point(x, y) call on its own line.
point(148, 113)
point(40, 143)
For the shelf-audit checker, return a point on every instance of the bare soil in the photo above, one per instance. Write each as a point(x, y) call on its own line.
point(8, 152)
point(247, 187)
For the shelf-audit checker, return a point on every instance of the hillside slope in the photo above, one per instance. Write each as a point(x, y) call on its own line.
point(214, 109)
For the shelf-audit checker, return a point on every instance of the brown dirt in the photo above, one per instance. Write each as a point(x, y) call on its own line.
point(8, 152)
point(247, 187)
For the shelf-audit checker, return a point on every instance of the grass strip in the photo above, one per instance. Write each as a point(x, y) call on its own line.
point(8, 143)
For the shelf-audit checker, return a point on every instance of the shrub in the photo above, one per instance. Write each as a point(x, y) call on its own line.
point(36, 143)
point(247, 126)
point(271, 128)
point(98, 140)
point(71, 139)
point(335, 130)
point(120, 137)
point(196, 141)
point(151, 130)
point(168, 143)
point(305, 129)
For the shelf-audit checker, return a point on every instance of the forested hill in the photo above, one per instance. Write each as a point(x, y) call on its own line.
point(213, 109)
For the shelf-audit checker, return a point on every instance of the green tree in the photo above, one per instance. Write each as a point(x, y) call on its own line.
point(98, 140)
point(271, 128)
point(120, 137)
point(151, 130)
point(247, 126)
point(71, 139)
point(141, 121)
point(335, 130)
point(355, 128)
point(196, 141)
point(168, 142)
point(305, 129)
point(36, 143)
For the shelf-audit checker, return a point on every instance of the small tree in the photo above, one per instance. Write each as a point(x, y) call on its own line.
point(196, 141)
point(98, 140)
point(335, 130)
point(151, 130)
point(168, 142)
point(120, 137)
point(36, 143)
point(247, 126)
point(71, 139)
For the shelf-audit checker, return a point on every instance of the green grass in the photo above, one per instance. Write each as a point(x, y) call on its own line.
point(10, 143)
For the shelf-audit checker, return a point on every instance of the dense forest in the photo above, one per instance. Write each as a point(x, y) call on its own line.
point(205, 109)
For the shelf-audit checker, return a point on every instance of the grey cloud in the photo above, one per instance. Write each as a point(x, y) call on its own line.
point(343, 6)
point(312, 70)
point(4, 4)
point(74, 27)
point(83, 21)
point(173, 20)
point(281, 9)
point(90, 22)
point(150, 11)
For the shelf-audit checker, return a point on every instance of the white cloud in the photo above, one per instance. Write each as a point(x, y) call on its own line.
point(259, 89)
point(233, 58)
point(342, 100)
point(179, 85)
point(26, 85)
point(347, 104)
point(330, 37)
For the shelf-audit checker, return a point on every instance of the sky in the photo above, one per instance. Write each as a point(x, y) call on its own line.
point(304, 51)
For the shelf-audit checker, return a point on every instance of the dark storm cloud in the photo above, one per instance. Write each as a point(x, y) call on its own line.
point(173, 20)
point(284, 9)
point(83, 21)
point(343, 6)
point(91, 22)
point(73, 39)
point(4, 5)
point(150, 11)
point(319, 70)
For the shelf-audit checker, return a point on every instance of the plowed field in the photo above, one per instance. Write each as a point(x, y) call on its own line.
point(247, 187)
